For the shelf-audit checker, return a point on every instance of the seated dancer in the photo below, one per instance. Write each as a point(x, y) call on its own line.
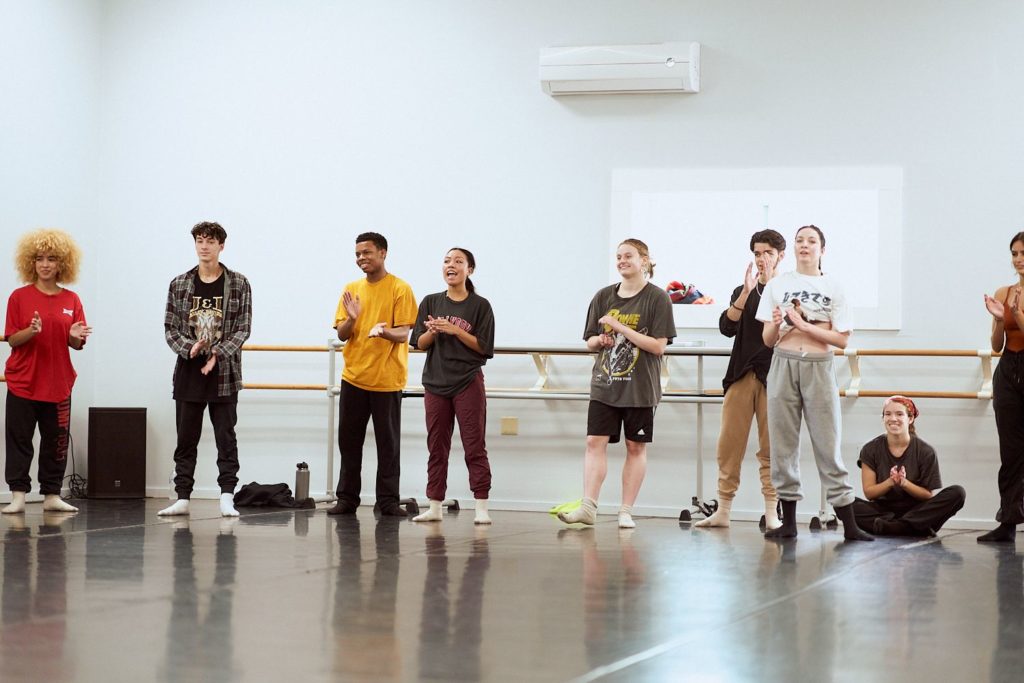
point(900, 474)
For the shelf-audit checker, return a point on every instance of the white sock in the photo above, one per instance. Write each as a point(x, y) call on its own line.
point(180, 507)
point(16, 505)
point(626, 517)
point(227, 505)
point(481, 512)
point(586, 513)
point(771, 514)
point(719, 518)
point(432, 514)
point(53, 503)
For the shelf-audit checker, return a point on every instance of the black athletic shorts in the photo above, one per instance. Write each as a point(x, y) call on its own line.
point(606, 420)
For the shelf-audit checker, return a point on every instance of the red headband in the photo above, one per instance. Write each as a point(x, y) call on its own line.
point(906, 403)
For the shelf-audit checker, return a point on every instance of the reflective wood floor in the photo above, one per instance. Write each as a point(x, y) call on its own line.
point(115, 593)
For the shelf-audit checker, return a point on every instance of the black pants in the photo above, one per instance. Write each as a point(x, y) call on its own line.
point(1008, 403)
point(223, 417)
point(23, 415)
point(925, 518)
point(356, 407)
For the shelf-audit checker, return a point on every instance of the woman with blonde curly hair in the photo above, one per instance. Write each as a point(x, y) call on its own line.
point(43, 320)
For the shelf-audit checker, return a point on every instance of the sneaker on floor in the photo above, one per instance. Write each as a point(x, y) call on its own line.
point(341, 508)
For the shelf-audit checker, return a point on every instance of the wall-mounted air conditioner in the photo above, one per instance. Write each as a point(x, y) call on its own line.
point(664, 67)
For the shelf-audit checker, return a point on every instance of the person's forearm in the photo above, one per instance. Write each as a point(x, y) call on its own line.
point(425, 341)
point(998, 336)
point(651, 345)
point(345, 329)
point(468, 340)
point(831, 337)
point(594, 343)
point(21, 337)
point(879, 490)
point(76, 343)
point(397, 335)
point(915, 491)
point(770, 335)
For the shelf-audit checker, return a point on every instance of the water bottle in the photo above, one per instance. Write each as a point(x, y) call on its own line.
point(301, 481)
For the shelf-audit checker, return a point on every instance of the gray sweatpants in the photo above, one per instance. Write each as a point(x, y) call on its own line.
point(804, 385)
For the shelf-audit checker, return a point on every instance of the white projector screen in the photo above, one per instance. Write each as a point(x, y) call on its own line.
point(698, 223)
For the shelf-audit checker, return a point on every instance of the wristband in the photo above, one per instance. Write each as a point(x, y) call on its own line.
point(733, 305)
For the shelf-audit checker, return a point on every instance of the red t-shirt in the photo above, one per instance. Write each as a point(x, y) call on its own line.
point(40, 369)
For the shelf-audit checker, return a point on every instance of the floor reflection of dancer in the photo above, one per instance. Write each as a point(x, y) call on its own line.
point(746, 396)
point(628, 325)
point(901, 480)
point(449, 644)
point(43, 321)
point(197, 644)
point(456, 329)
point(805, 315)
point(1008, 397)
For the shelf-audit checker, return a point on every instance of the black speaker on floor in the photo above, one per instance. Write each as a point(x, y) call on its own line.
point(117, 453)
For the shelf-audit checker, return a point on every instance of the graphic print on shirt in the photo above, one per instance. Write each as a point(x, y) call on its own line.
point(815, 306)
point(618, 361)
point(464, 325)
point(205, 318)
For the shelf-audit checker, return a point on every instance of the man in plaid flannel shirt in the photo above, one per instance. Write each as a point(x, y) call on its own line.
point(208, 318)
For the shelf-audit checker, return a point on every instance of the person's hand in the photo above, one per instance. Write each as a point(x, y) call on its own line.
point(197, 348)
point(777, 317)
point(610, 322)
point(377, 330)
point(443, 326)
point(749, 279)
point(209, 364)
point(606, 340)
point(995, 307)
point(795, 318)
point(770, 264)
point(80, 331)
point(37, 323)
point(351, 305)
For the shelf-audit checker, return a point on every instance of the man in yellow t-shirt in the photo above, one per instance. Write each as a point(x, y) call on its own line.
point(374, 317)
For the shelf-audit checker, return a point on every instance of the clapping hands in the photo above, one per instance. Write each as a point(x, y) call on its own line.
point(898, 475)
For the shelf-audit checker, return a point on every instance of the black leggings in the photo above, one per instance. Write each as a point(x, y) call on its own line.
point(1008, 403)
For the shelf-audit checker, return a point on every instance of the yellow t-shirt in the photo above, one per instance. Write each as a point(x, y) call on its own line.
point(374, 363)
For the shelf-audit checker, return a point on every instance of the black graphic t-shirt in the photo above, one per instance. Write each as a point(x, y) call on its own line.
point(205, 318)
point(450, 364)
point(624, 376)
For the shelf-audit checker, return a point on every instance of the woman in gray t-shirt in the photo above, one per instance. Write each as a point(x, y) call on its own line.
point(629, 324)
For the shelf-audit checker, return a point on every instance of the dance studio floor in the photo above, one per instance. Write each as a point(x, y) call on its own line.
point(117, 594)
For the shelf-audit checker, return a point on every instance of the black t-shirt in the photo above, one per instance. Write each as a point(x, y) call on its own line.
point(748, 349)
point(205, 319)
point(450, 364)
point(919, 460)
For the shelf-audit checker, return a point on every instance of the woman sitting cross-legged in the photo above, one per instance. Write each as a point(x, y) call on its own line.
point(900, 475)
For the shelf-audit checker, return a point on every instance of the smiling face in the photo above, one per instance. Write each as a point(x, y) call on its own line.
point(370, 258)
point(47, 267)
point(896, 419)
point(456, 269)
point(629, 262)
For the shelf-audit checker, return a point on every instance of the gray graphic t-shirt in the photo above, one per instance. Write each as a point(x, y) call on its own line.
point(624, 376)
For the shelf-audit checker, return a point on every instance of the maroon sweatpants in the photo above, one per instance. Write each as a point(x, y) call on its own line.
point(470, 407)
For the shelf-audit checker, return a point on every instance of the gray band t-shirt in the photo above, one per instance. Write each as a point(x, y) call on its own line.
point(624, 376)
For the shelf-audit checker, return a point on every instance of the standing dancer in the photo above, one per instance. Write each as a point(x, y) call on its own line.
point(628, 324)
point(456, 329)
point(207, 319)
point(374, 317)
point(43, 320)
point(744, 383)
point(805, 315)
point(900, 476)
point(1008, 397)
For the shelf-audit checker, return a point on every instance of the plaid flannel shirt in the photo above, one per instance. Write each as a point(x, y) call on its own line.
point(235, 326)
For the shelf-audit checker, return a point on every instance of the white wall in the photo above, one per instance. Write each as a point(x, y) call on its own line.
point(299, 125)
